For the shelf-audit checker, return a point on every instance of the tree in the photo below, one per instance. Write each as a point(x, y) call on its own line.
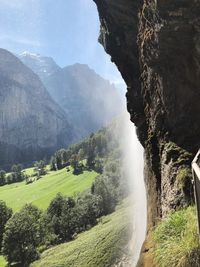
point(81, 154)
point(68, 220)
point(17, 174)
point(5, 215)
point(65, 156)
point(23, 233)
point(9, 179)
point(40, 168)
point(88, 209)
point(58, 160)
point(112, 169)
point(53, 163)
point(98, 166)
point(56, 205)
point(2, 177)
point(17, 168)
point(74, 164)
point(91, 152)
point(62, 217)
point(103, 188)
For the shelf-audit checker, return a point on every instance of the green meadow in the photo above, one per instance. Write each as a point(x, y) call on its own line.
point(2, 262)
point(42, 191)
point(100, 246)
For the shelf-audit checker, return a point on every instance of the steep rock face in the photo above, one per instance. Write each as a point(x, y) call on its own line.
point(118, 34)
point(158, 54)
point(32, 125)
point(42, 66)
point(72, 86)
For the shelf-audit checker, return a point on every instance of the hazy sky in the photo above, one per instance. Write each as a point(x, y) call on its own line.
point(66, 30)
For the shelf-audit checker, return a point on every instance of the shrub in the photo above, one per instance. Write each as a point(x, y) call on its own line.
point(177, 240)
point(183, 175)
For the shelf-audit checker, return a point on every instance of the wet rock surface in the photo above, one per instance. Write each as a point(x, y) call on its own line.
point(156, 47)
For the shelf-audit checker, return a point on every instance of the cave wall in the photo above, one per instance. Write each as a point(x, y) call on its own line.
point(156, 47)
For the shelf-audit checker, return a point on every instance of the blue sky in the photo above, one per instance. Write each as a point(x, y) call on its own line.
point(67, 30)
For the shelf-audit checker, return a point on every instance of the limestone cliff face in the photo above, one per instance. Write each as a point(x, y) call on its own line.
point(156, 46)
point(32, 125)
point(81, 83)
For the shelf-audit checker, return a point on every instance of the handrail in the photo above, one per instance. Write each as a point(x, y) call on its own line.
point(196, 177)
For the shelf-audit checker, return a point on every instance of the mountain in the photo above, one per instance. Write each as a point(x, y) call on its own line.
point(32, 125)
point(42, 66)
point(89, 100)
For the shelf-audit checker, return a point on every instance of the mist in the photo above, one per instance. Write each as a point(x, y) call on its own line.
point(133, 167)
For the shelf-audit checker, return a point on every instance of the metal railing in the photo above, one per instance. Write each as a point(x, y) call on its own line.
point(196, 177)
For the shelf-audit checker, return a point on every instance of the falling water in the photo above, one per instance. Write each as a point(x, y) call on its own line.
point(133, 163)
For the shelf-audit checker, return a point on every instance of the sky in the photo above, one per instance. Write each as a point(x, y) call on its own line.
point(66, 30)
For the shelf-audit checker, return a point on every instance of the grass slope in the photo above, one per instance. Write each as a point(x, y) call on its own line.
point(2, 261)
point(177, 240)
point(99, 247)
point(44, 190)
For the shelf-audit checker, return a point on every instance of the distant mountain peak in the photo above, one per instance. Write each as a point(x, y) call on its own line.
point(26, 53)
point(43, 66)
point(89, 100)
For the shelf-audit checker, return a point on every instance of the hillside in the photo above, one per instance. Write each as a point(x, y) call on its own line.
point(32, 125)
point(97, 173)
point(106, 243)
point(41, 192)
point(72, 86)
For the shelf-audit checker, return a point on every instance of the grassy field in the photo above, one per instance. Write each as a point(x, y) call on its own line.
point(2, 262)
point(99, 247)
point(42, 191)
point(28, 171)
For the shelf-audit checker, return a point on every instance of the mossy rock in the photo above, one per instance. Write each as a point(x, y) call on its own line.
point(179, 155)
point(184, 175)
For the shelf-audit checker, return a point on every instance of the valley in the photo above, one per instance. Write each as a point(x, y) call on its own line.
point(76, 187)
point(42, 191)
point(84, 191)
point(66, 190)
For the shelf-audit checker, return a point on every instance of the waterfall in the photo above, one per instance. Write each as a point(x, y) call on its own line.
point(133, 163)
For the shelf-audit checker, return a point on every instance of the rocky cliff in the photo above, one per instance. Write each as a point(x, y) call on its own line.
point(72, 86)
point(32, 125)
point(156, 47)
point(41, 65)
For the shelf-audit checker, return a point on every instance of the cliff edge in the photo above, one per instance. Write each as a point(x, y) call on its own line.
point(156, 47)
